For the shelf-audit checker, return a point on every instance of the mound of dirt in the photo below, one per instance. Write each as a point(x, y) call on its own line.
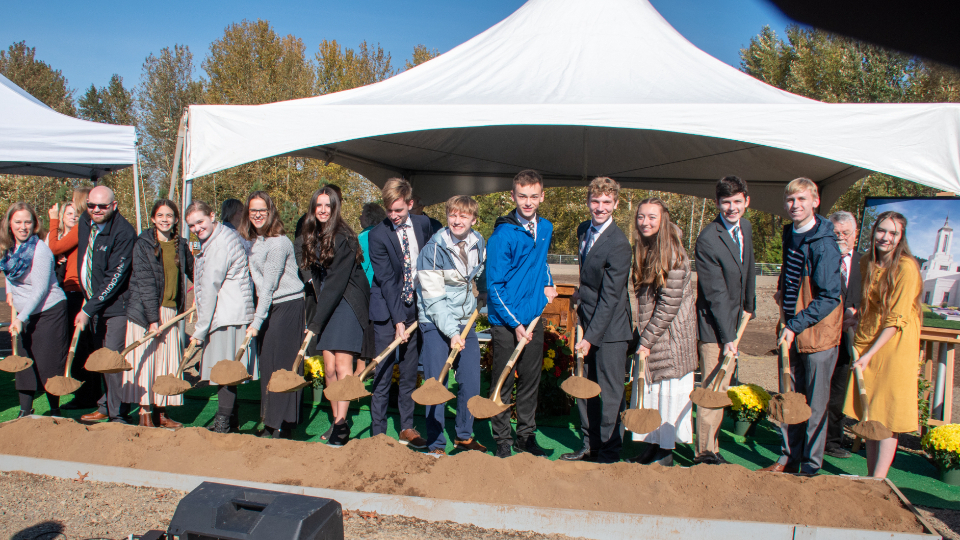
point(872, 430)
point(788, 408)
point(284, 380)
point(580, 387)
point(704, 397)
point(346, 389)
point(382, 465)
point(431, 392)
point(641, 420)
point(106, 361)
point(229, 373)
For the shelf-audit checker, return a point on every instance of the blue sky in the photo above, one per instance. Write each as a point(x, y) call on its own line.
point(89, 42)
point(924, 219)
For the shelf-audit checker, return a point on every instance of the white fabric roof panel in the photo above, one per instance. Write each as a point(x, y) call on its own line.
point(576, 89)
point(37, 140)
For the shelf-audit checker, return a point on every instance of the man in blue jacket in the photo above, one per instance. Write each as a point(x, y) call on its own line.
point(519, 287)
point(809, 294)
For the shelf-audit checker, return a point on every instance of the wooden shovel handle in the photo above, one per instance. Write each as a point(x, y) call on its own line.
point(13, 335)
point(155, 333)
point(513, 360)
point(861, 387)
point(303, 350)
point(579, 352)
point(454, 351)
point(386, 352)
point(642, 375)
point(728, 359)
point(243, 348)
point(192, 350)
point(73, 350)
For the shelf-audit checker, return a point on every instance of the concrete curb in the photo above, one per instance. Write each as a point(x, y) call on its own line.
point(587, 524)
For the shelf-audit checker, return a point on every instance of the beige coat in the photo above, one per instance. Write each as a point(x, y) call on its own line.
point(667, 322)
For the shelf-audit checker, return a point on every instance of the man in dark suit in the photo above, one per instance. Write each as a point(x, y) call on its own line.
point(726, 292)
point(105, 250)
point(845, 227)
point(604, 315)
point(394, 246)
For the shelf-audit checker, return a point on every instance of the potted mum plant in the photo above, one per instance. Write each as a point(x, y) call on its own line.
point(749, 406)
point(943, 444)
point(313, 372)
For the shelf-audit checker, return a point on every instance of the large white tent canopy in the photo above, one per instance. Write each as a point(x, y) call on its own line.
point(577, 89)
point(37, 140)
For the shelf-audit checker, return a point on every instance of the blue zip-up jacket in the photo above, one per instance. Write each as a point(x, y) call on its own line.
point(517, 271)
point(444, 293)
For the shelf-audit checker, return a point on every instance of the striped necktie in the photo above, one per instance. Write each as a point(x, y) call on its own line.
point(88, 261)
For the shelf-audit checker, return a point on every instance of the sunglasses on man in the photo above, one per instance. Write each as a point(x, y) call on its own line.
point(92, 206)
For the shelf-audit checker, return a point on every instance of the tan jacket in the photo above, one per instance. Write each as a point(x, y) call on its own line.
point(667, 322)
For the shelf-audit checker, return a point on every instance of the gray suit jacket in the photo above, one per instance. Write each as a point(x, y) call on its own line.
point(726, 287)
point(604, 306)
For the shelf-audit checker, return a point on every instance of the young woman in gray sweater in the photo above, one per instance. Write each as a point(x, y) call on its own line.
point(41, 321)
point(278, 321)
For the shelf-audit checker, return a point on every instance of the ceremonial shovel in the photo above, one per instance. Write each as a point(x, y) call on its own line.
point(14, 363)
point(433, 392)
point(640, 420)
point(485, 408)
point(710, 397)
point(65, 384)
point(788, 407)
point(170, 385)
point(232, 372)
point(105, 360)
point(284, 380)
point(872, 430)
point(351, 386)
point(577, 385)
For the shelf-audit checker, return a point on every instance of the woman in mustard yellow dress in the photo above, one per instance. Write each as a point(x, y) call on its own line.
point(888, 338)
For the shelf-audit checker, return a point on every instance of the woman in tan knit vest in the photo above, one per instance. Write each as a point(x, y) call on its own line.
point(662, 295)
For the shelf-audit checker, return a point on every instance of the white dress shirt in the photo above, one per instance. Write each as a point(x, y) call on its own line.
point(739, 238)
point(414, 247)
point(524, 222)
point(597, 231)
point(473, 255)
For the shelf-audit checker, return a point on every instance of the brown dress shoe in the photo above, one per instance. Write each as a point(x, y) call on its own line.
point(470, 444)
point(169, 423)
point(412, 438)
point(779, 468)
point(95, 416)
point(146, 420)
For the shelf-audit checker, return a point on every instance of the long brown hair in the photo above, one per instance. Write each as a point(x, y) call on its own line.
point(7, 239)
point(891, 273)
point(80, 195)
point(273, 225)
point(654, 257)
point(174, 231)
point(319, 238)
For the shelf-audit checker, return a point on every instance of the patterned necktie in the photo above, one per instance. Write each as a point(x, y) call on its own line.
point(843, 270)
point(736, 240)
point(588, 242)
point(533, 230)
point(463, 255)
point(407, 266)
point(88, 261)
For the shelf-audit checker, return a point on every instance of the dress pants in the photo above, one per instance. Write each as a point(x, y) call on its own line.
point(528, 367)
point(433, 354)
point(803, 443)
point(709, 420)
point(606, 365)
point(838, 393)
point(110, 333)
point(90, 391)
point(408, 356)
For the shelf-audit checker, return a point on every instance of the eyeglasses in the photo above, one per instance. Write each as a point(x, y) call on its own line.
point(258, 212)
point(91, 206)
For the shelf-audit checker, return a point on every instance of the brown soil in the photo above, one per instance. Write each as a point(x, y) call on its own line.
point(229, 373)
point(641, 420)
point(580, 387)
point(481, 407)
point(14, 363)
point(431, 392)
point(106, 361)
point(789, 408)
point(346, 389)
point(709, 399)
point(284, 380)
point(382, 465)
point(62, 386)
point(872, 430)
point(168, 385)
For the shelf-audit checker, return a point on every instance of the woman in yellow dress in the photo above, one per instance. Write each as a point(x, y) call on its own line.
point(888, 338)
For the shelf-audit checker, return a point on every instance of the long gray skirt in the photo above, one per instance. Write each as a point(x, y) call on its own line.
point(222, 344)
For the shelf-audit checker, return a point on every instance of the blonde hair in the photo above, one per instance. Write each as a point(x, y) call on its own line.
point(602, 185)
point(462, 204)
point(396, 189)
point(654, 257)
point(61, 226)
point(801, 184)
point(80, 195)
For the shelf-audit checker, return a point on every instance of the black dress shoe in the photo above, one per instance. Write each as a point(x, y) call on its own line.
point(837, 452)
point(504, 449)
point(529, 444)
point(647, 456)
point(664, 457)
point(582, 454)
point(709, 458)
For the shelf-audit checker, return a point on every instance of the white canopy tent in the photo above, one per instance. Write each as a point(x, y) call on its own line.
point(577, 89)
point(37, 140)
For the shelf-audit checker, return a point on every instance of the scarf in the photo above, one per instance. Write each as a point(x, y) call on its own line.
point(15, 263)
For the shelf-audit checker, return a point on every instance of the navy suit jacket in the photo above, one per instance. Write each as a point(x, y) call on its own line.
point(386, 257)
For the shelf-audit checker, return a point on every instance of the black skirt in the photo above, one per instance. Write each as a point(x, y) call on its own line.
point(46, 340)
point(369, 348)
point(343, 332)
point(278, 343)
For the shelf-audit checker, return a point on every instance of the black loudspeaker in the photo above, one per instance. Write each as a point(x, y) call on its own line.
point(221, 511)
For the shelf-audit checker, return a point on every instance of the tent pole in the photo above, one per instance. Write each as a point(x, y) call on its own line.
point(136, 183)
point(181, 137)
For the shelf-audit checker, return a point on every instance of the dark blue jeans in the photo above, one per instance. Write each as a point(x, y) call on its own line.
point(433, 354)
